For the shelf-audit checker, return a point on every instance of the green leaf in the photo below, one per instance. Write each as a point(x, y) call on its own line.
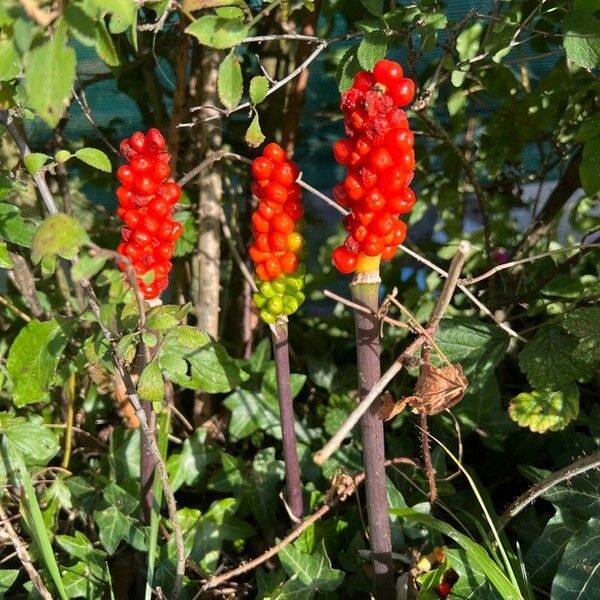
point(254, 135)
point(546, 410)
point(230, 82)
point(477, 346)
point(115, 527)
point(582, 38)
point(548, 359)
point(544, 555)
point(167, 316)
point(6, 261)
point(33, 359)
point(467, 43)
point(347, 67)
point(10, 63)
point(472, 582)
point(375, 7)
point(116, 496)
point(476, 554)
point(95, 158)
point(58, 235)
point(259, 88)
point(7, 578)
point(49, 76)
point(189, 466)
point(104, 45)
point(584, 324)
point(87, 267)
point(62, 156)
point(217, 32)
point(588, 171)
point(37, 444)
point(78, 546)
point(578, 575)
point(313, 571)
point(35, 161)
point(372, 48)
point(151, 386)
point(13, 228)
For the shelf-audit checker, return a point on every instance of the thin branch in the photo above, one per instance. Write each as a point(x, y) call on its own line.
point(338, 495)
point(577, 468)
point(23, 555)
point(242, 266)
point(440, 308)
point(17, 311)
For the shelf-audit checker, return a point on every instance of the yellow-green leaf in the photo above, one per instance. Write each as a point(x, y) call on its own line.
point(58, 235)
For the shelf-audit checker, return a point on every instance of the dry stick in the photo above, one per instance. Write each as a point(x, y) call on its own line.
point(23, 555)
point(279, 336)
point(377, 389)
point(577, 468)
point(339, 496)
point(122, 370)
point(365, 291)
point(425, 449)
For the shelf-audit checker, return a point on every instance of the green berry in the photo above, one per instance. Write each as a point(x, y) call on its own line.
point(267, 289)
point(290, 305)
point(259, 300)
point(275, 305)
point(294, 284)
point(279, 285)
point(267, 316)
point(300, 297)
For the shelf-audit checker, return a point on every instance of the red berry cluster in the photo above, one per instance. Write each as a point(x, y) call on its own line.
point(379, 157)
point(274, 223)
point(146, 202)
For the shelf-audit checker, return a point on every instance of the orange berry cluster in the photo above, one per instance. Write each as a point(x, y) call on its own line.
point(146, 202)
point(379, 157)
point(277, 241)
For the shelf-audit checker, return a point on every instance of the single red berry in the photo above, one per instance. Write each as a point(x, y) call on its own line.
point(293, 209)
point(140, 237)
point(262, 167)
point(344, 260)
point(138, 141)
point(274, 152)
point(260, 224)
point(257, 255)
point(164, 252)
point(403, 92)
point(170, 191)
point(387, 72)
point(266, 210)
point(160, 171)
point(372, 245)
point(382, 224)
point(272, 267)
point(288, 262)
point(150, 224)
point(126, 175)
point(276, 192)
point(159, 207)
point(374, 201)
point(145, 185)
point(342, 149)
point(155, 142)
point(363, 81)
point(283, 223)
point(277, 241)
point(132, 218)
point(141, 164)
point(284, 174)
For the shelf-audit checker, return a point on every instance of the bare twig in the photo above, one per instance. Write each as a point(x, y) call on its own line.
point(242, 266)
point(14, 309)
point(339, 494)
point(23, 554)
point(440, 308)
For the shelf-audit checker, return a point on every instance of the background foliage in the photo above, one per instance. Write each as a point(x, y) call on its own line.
point(508, 146)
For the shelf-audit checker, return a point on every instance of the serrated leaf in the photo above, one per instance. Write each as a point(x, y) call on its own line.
point(151, 386)
point(467, 43)
point(60, 235)
point(104, 45)
point(10, 62)
point(348, 67)
point(584, 324)
point(372, 48)
point(62, 156)
point(548, 359)
point(33, 359)
point(254, 136)
point(35, 161)
point(375, 7)
point(6, 261)
point(166, 317)
point(578, 575)
point(259, 87)
point(545, 410)
point(581, 40)
point(217, 32)
point(230, 81)
point(95, 158)
point(49, 76)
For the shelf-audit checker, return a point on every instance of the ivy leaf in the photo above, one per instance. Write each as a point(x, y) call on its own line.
point(254, 135)
point(49, 76)
point(79, 546)
point(584, 324)
point(372, 48)
point(35, 161)
point(259, 88)
point(58, 235)
point(7, 578)
point(230, 82)
point(578, 574)
point(545, 410)
point(95, 158)
point(38, 444)
point(472, 582)
point(115, 527)
point(218, 32)
point(33, 359)
point(548, 359)
point(582, 38)
point(151, 386)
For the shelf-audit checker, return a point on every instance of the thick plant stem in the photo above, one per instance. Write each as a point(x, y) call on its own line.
point(365, 288)
point(279, 335)
point(147, 466)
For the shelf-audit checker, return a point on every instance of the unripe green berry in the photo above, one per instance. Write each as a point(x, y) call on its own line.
point(267, 316)
point(259, 300)
point(290, 305)
point(279, 284)
point(267, 289)
point(300, 297)
point(275, 305)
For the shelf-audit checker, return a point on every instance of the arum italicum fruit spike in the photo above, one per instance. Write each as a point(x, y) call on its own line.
point(275, 252)
point(146, 200)
point(378, 155)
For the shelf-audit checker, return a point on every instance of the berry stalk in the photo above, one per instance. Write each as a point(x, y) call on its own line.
point(279, 337)
point(365, 291)
point(280, 280)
